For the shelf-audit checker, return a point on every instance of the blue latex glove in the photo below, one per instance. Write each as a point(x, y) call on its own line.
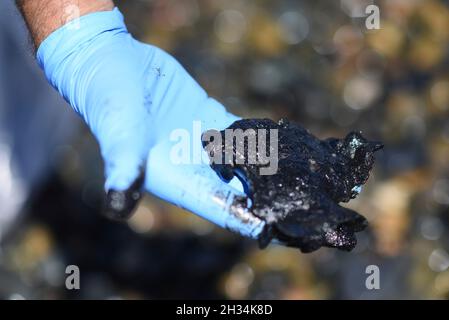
point(137, 99)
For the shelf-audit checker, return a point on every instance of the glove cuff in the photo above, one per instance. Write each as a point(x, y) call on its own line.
point(74, 35)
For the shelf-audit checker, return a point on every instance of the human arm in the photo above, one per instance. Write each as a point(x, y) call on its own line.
point(45, 16)
point(133, 96)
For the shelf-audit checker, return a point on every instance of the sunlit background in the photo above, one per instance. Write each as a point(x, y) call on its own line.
point(313, 62)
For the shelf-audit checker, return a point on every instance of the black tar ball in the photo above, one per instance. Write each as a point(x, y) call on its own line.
point(300, 201)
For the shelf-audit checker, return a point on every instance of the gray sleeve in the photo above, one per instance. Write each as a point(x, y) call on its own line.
point(34, 119)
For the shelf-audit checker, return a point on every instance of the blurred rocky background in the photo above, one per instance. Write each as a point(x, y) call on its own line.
point(314, 62)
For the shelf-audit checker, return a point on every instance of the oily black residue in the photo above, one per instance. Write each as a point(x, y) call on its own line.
point(300, 202)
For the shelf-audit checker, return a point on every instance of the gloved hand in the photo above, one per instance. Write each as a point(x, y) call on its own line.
point(141, 105)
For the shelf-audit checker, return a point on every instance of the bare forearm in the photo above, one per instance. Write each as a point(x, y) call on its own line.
point(45, 16)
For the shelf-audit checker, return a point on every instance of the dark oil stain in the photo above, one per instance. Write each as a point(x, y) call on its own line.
point(300, 202)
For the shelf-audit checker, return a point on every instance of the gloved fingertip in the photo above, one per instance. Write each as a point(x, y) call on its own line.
point(120, 204)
